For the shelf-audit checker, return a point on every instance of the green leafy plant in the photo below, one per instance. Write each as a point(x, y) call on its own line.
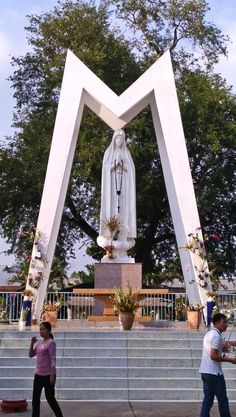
point(3, 310)
point(24, 313)
point(180, 307)
point(194, 307)
point(125, 300)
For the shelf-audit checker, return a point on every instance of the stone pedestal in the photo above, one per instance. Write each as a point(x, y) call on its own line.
point(116, 275)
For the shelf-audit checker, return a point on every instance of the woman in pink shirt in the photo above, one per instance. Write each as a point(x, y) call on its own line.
point(45, 373)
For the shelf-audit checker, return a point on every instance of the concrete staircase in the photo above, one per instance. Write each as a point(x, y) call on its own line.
point(108, 365)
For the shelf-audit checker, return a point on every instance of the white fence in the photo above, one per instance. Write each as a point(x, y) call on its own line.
point(77, 307)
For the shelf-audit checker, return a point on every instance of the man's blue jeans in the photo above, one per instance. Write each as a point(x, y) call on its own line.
point(214, 385)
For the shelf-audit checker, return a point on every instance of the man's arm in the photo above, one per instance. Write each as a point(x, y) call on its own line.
point(217, 358)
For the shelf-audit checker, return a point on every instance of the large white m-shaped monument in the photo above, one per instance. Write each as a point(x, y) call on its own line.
point(80, 87)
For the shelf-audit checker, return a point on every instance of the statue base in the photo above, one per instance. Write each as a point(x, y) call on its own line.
point(118, 260)
point(118, 275)
point(111, 275)
point(116, 250)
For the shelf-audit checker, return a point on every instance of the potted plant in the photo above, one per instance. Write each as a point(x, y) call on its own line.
point(50, 310)
point(125, 303)
point(194, 315)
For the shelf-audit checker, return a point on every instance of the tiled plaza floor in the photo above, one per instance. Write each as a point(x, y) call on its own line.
point(125, 409)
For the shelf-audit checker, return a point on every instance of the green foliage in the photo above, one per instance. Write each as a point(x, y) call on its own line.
point(36, 82)
point(177, 25)
point(4, 310)
point(85, 277)
point(21, 274)
point(209, 116)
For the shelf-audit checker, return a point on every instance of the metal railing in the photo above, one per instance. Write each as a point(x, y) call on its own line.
point(79, 307)
point(227, 305)
point(162, 307)
point(10, 306)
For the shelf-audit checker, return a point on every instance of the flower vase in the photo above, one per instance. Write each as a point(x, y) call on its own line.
point(127, 320)
point(26, 305)
point(194, 319)
point(210, 306)
point(51, 316)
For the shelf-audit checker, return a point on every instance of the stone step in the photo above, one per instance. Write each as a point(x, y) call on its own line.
point(112, 366)
point(172, 394)
point(118, 372)
point(109, 394)
point(119, 343)
point(101, 334)
point(113, 382)
point(109, 361)
point(93, 352)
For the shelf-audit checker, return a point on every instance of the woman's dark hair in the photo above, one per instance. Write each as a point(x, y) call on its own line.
point(47, 326)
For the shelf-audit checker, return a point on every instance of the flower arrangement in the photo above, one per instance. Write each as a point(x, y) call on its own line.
point(50, 310)
point(49, 306)
point(194, 307)
point(125, 300)
point(109, 251)
point(211, 296)
point(196, 244)
point(34, 281)
point(112, 224)
point(27, 293)
point(55, 305)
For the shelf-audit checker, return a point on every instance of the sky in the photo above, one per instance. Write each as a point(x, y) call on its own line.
point(13, 42)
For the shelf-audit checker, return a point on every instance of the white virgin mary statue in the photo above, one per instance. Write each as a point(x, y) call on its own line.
point(118, 202)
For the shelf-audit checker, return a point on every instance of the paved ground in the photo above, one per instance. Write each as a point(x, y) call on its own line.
point(112, 409)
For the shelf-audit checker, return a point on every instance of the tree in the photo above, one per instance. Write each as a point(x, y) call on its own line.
point(207, 107)
point(177, 25)
point(209, 116)
point(36, 83)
